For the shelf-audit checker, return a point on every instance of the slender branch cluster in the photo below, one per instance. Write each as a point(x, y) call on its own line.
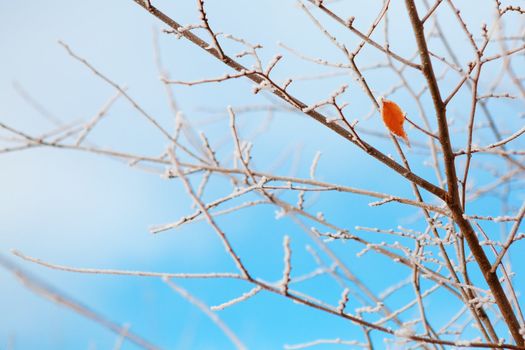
point(448, 247)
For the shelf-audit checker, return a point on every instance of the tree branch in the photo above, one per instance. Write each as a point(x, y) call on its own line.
point(453, 198)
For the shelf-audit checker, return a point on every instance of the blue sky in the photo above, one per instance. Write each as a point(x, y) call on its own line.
point(85, 210)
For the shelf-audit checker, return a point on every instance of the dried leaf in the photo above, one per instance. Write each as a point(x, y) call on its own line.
point(394, 117)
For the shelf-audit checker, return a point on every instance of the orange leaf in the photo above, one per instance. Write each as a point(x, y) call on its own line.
point(394, 117)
